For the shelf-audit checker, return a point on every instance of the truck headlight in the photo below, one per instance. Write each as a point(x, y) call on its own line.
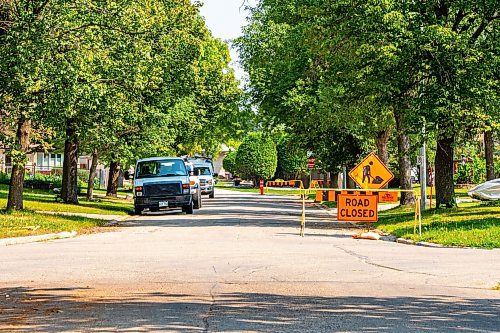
point(185, 188)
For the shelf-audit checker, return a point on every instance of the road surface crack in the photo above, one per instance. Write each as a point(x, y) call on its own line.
point(366, 260)
point(209, 313)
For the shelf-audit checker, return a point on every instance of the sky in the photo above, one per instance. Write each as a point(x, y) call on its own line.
point(225, 18)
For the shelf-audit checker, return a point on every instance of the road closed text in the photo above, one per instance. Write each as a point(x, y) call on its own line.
point(357, 208)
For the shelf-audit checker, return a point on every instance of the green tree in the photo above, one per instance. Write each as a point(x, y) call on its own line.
point(292, 158)
point(229, 162)
point(256, 157)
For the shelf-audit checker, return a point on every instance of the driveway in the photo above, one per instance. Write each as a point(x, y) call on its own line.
point(239, 265)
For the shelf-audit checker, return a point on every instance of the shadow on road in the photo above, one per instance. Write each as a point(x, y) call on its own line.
point(53, 310)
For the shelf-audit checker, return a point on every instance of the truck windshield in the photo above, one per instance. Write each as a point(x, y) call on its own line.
point(204, 171)
point(161, 168)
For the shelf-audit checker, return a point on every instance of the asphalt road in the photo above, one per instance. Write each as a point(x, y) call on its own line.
point(239, 265)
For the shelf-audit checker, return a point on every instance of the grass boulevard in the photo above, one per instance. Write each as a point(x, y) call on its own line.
point(33, 221)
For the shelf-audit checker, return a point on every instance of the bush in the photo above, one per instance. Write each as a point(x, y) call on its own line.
point(463, 174)
point(229, 162)
point(292, 161)
point(4, 178)
point(478, 170)
point(41, 181)
point(256, 158)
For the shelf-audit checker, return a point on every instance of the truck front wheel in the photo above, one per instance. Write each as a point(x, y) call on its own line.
point(197, 202)
point(189, 209)
point(212, 194)
point(137, 210)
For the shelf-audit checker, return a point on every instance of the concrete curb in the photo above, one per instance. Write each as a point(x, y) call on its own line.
point(116, 222)
point(33, 239)
point(405, 241)
point(48, 237)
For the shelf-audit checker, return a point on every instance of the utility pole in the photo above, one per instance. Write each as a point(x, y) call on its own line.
point(423, 173)
point(344, 178)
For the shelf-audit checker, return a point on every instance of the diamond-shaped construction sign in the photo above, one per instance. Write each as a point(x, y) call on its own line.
point(371, 173)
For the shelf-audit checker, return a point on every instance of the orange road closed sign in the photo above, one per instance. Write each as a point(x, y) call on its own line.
point(357, 208)
point(387, 196)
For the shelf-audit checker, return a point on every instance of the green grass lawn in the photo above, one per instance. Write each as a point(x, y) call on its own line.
point(459, 192)
point(471, 224)
point(30, 224)
point(37, 200)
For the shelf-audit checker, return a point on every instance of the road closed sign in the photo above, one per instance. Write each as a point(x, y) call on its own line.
point(357, 208)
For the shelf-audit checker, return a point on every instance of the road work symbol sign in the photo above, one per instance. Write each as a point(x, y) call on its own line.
point(371, 173)
point(357, 208)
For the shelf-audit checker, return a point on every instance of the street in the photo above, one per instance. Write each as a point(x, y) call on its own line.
point(238, 264)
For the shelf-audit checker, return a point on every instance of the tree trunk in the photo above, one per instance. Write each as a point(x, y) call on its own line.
point(489, 148)
point(92, 175)
point(334, 180)
point(15, 200)
point(407, 198)
point(114, 176)
point(445, 190)
point(382, 142)
point(69, 191)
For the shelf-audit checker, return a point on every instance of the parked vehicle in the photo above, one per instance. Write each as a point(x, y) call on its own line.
point(162, 183)
point(489, 190)
point(194, 182)
point(205, 169)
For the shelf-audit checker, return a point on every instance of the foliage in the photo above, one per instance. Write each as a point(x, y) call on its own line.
point(334, 67)
point(126, 79)
point(292, 158)
point(256, 157)
point(463, 175)
point(229, 162)
point(478, 169)
point(4, 178)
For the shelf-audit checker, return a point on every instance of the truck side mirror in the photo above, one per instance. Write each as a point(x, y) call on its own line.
point(216, 175)
point(127, 175)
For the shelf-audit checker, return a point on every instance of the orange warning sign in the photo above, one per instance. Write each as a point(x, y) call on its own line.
point(357, 208)
point(387, 196)
point(371, 173)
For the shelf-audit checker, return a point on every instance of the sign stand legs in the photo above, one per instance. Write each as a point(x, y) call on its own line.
point(303, 220)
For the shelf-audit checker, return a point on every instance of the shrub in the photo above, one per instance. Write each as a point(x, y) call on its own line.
point(229, 162)
point(292, 161)
point(41, 181)
point(4, 178)
point(478, 170)
point(256, 157)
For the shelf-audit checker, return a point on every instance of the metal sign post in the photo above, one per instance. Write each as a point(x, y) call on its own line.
point(423, 177)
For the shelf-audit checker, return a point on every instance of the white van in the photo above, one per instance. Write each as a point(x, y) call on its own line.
point(161, 183)
point(205, 170)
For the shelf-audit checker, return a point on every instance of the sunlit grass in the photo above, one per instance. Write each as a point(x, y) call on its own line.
point(37, 200)
point(472, 224)
point(27, 223)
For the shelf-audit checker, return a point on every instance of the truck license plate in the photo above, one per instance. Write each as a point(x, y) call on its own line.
point(163, 204)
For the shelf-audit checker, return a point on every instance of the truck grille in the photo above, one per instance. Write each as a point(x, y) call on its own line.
point(162, 189)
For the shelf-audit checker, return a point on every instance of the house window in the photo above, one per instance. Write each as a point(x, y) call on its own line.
point(55, 160)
